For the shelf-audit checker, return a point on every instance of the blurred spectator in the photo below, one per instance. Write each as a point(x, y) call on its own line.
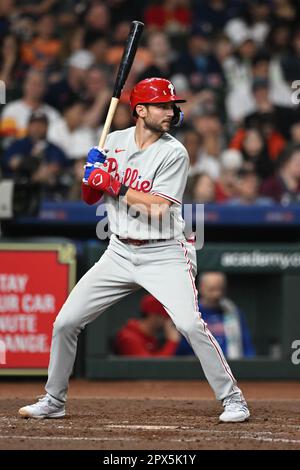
point(295, 133)
point(75, 187)
point(172, 16)
point(211, 16)
point(192, 143)
point(15, 115)
point(253, 22)
point(279, 38)
point(97, 18)
point(7, 11)
point(123, 118)
point(162, 62)
point(11, 68)
point(237, 70)
point(70, 87)
point(42, 52)
point(37, 7)
point(144, 57)
point(284, 187)
point(223, 317)
point(284, 69)
point(198, 63)
point(261, 65)
point(70, 134)
point(121, 10)
point(247, 190)
point(73, 40)
point(198, 103)
point(231, 161)
point(139, 337)
point(202, 189)
point(284, 10)
point(210, 129)
point(34, 159)
point(266, 117)
point(98, 45)
point(223, 49)
point(255, 151)
point(97, 96)
point(225, 320)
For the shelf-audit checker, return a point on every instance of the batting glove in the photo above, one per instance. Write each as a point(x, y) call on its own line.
point(88, 168)
point(95, 157)
point(103, 181)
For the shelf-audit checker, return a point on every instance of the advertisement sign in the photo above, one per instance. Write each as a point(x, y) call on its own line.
point(35, 280)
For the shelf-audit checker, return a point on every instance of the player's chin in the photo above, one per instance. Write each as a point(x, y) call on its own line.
point(166, 125)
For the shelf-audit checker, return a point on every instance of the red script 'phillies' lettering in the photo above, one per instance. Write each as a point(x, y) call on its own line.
point(130, 178)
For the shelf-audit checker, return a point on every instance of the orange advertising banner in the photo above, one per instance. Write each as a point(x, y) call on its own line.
point(35, 280)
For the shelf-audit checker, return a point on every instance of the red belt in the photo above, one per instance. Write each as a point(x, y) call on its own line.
point(133, 241)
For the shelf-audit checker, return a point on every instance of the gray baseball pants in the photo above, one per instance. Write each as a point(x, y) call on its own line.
point(166, 270)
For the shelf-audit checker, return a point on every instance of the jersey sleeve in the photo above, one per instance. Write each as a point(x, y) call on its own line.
point(170, 179)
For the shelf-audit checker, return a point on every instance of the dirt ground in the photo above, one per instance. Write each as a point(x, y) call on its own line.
point(151, 415)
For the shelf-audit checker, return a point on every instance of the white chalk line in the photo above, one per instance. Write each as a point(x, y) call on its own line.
point(140, 427)
point(153, 427)
point(79, 438)
point(265, 436)
point(66, 438)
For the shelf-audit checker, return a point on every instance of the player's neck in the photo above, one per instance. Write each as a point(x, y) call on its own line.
point(145, 137)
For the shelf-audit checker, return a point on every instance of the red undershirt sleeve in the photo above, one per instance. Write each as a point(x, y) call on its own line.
point(90, 195)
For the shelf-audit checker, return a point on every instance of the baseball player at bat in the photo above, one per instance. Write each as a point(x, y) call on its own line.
point(143, 167)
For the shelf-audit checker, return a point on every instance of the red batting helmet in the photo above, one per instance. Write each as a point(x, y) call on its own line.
point(154, 90)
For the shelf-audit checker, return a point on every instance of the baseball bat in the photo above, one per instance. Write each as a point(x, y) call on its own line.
point(124, 69)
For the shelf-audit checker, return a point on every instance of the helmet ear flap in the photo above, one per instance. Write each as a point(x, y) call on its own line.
point(178, 116)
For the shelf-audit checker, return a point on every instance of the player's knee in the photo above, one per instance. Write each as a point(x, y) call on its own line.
point(64, 326)
point(187, 326)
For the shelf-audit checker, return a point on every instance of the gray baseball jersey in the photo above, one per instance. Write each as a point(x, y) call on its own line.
point(161, 169)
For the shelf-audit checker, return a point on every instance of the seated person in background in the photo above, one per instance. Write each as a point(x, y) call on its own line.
point(15, 115)
point(35, 160)
point(202, 189)
point(247, 189)
point(224, 319)
point(231, 161)
point(139, 336)
point(70, 134)
point(284, 186)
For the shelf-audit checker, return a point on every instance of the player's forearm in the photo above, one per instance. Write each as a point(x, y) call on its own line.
point(146, 203)
point(149, 203)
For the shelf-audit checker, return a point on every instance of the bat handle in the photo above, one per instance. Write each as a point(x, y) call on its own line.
point(110, 115)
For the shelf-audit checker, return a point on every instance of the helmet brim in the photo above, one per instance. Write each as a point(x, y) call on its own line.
point(168, 99)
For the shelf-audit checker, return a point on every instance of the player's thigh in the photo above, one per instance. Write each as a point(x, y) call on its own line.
point(171, 280)
point(103, 285)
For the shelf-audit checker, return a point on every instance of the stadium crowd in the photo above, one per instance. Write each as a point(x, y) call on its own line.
point(236, 62)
